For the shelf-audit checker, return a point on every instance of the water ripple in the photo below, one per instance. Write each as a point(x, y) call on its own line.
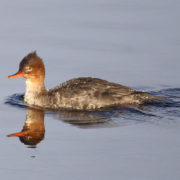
point(15, 100)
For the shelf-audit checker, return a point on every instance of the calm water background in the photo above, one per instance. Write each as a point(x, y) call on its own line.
point(132, 42)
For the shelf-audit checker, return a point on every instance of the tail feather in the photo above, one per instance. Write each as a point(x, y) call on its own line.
point(145, 97)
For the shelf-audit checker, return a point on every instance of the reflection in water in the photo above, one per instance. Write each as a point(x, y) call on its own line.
point(81, 118)
point(33, 130)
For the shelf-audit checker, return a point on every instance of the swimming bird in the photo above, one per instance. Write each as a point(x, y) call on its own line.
point(84, 93)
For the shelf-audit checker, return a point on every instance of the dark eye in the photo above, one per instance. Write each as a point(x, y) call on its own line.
point(28, 69)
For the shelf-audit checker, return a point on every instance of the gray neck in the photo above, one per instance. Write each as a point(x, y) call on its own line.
point(33, 91)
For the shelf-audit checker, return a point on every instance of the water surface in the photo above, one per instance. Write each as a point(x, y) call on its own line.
point(135, 43)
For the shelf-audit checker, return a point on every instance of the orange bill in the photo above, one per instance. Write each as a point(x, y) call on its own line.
point(18, 134)
point(18, 74)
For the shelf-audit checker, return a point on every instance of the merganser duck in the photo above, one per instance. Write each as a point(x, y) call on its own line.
point(84, 93)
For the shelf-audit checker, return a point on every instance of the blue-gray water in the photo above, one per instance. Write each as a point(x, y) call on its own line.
point(135, 43)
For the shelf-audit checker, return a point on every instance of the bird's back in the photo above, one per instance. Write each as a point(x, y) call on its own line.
point(89, 93)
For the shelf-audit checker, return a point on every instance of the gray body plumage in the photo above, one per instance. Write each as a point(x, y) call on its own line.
point(90, 94)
